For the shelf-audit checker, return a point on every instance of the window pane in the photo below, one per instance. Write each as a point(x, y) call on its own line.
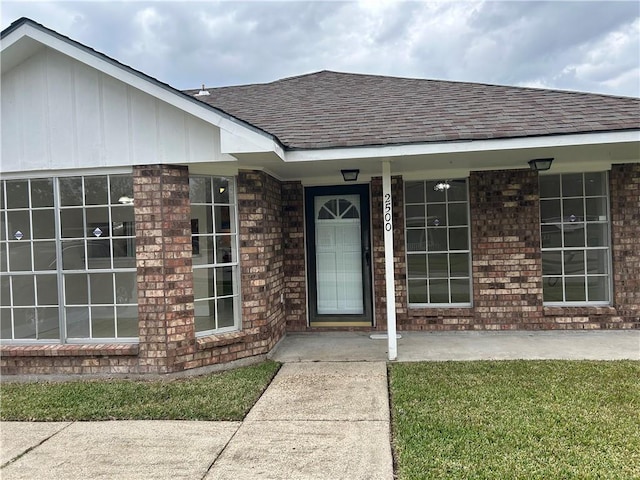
point(221, 190)
point(77, 321)
point(417, 266)
point(415, 215)
point(551, 236)
point(70, 191)
point(598, 289)
point(42, 193)
point(23, 290)
point(124, 253)
point(459, 264)
point(97, 222)
point(76, 292)
point(459, 238)
point(224, 247)
point(3, 257)
point(48, 323)
point(205, 315)
point(550, 211)
point(19, 225)
point(437, 239)
point(597, 262)
point(458, 214)
point(414, 192)
point(418, 291)
point(99, 253)
point(102, 322)
point(460, 291)
point(416, 240)
point(126, 288)
point(203, 286)
point(202, 249)
point(573, 234)
point(436, 215)
point(122, 217)
point(47, 289)
point(597, 235)
point(438, 265)
point(434, 195)
point(24, 322)
point(439, 291)
point(200, 189)
point(572, 185)
point(127, 321)
point(552, 289)
point(71, 223)
point(458, 191)
point(6, 332)
point(44, 256)
point(224, 281)
point(101, 285)
point(574, 262)
point(225, 312)
point(549, 186)
point(552, 263)
point(5, 291)
point(17, 194)
point(202, 219)
point(573, 210)
point(223, 220)
point(73, 255)
point(95, 191)
point(595, 184)
point(44, 225)
point(20, 256)
point(575, 289)
point(3, 225)
point(121, 189)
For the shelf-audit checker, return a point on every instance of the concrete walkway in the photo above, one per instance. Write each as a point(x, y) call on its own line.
point(325, 415)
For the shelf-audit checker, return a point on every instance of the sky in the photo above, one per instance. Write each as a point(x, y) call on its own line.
point(587, 46)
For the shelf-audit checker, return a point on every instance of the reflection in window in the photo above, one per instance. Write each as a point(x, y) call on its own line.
point(437, 236)
point(92, 293)
point(215, 255)
point(575, 238)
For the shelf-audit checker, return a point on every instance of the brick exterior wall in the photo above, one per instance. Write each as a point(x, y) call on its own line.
point(295, 290)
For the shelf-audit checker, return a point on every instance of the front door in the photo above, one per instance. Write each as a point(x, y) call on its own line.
point(339, 255)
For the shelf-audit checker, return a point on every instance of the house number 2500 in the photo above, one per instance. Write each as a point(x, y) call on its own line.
point(387, 212)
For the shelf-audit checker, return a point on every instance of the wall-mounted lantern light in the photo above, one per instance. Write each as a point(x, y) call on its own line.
point(540, 164)
point(350, 175)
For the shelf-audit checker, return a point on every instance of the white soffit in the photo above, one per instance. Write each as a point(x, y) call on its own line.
point(233, 132)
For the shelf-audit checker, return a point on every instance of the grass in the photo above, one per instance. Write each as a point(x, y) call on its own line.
point(516, 420)
point(220, 396)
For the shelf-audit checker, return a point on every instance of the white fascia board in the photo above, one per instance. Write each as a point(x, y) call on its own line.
point(390, 151)
point(234, 143)
point(249, 139)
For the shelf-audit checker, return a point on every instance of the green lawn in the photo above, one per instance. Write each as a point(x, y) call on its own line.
point(516, 419)
point(220, 396)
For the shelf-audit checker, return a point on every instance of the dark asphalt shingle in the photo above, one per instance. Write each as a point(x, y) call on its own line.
point(331, 109)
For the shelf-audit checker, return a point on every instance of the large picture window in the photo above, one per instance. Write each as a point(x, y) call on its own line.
point(574, 215)
point(437, 236)
point(215, 253)
point(67, 259)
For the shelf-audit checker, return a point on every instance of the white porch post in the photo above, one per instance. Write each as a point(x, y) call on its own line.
point(387, 215)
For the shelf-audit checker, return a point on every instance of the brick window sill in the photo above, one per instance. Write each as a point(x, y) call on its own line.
point(88, 350)
point(224, 339)
point(441, 312)
point(578, 311)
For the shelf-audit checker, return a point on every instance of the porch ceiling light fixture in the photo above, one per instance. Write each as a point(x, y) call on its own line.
point(540, 164)
point(350, 175)
point(442, 186)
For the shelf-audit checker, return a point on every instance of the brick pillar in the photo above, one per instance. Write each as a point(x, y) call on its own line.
point(163, 257)
point(261, 256)
point(399, 257)
point(625, 231)
point(295, 293)
point(505, 238)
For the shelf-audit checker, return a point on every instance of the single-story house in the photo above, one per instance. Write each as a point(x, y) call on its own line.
point(150, 230)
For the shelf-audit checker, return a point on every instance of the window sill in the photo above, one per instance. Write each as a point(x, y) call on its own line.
point(225, 339)
point(557, 310)
point(68, 350)
point(452, 311)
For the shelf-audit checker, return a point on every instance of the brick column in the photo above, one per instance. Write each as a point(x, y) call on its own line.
point(261, 256)
point(625, 231)
point(399, 258)
point(295, 293)
point(505, 238)
point(165, 275)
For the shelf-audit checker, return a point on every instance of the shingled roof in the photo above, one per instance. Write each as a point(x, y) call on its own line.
point(331, 109)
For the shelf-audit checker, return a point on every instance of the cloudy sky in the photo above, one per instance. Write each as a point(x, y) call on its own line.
point(589, 46)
